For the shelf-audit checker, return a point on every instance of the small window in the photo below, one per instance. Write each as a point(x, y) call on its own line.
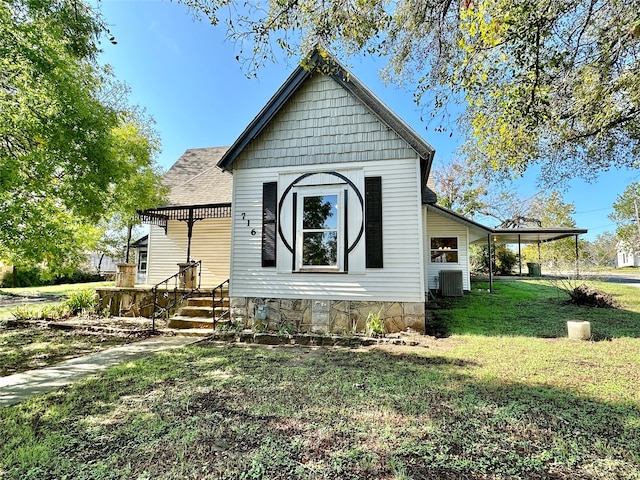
point(444, 249)
point(142, 262)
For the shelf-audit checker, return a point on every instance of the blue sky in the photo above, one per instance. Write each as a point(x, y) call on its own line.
point(184, 73)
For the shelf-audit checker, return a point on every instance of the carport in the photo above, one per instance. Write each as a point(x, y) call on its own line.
point(527, 236)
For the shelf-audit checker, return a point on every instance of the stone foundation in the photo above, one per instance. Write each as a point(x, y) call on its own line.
point(323, 316)
point(137, 301)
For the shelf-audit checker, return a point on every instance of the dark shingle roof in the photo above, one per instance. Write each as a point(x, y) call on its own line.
point(196, 180)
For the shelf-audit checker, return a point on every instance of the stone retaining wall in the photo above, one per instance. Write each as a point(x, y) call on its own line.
point(323, 316)
point(136, 301)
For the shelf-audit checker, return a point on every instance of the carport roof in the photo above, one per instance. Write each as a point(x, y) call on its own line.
point(533, 235)
point(508, 235)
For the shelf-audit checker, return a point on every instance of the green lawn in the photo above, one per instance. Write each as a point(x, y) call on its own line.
point(55, 290)
point(52, 292)
point(536, 308)
point(29, 347)
point(471, 406)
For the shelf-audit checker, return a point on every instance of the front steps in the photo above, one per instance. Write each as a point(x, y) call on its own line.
point(199, 313)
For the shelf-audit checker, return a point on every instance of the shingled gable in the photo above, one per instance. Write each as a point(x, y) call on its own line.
point(327, 64)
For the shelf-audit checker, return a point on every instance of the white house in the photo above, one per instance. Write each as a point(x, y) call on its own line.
point(329, 217)
point(626, 258)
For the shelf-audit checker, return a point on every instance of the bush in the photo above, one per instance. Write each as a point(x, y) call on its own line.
point(45, 312)
point(505, 260)
point(82, 301)
point(374, 325)
point(37, 277)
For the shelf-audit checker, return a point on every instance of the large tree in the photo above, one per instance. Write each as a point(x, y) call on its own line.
point(549, 82)
point(602, 251)
point(68, 150)
point(552, 211)
point(465, 189)
point(626, 214)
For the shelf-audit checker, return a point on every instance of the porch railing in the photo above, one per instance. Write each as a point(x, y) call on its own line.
point(176, 290)
point(220, 296)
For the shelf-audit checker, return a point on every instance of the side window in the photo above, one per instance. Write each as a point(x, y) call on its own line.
point(444, 249)
point(142, 261)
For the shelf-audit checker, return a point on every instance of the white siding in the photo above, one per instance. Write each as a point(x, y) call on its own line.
point(401, 279)
point(211, 243)
point(440, 226)
point(322, 123)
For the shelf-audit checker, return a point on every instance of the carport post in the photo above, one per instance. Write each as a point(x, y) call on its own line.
point(519, 258)
point(490, 264)
point(577, 258)
point(539, 254)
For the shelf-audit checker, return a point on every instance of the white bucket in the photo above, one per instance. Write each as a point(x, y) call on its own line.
point(578, 330)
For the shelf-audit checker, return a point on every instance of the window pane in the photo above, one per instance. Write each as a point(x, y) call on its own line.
point(444, 256)
point(320, 212)
point(320, 248)
point(142, 262)
point(441, 243)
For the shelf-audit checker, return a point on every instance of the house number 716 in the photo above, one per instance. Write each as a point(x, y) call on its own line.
point(253, 230)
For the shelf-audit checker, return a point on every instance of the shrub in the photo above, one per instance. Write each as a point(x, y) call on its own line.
point(37, 277)
point(374, 325)
point(44, 312)
point(505, 260)
point(82, 301)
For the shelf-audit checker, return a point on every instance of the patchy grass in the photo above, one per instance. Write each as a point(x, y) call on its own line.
point(32, 346)
point(493, 401)
point(493, 407)
point(535, 308)
point(53, 290)
point(38, 298)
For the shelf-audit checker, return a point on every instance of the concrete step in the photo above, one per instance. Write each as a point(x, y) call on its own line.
point(201, 312)
point(183, 322)
point(206, 302)
point(197, 312)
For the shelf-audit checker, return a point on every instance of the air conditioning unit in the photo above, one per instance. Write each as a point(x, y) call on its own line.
point(451, 283)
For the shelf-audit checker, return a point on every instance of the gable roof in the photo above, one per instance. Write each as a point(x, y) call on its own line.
point(325, 63)
point(195, 178)
point(141, 242)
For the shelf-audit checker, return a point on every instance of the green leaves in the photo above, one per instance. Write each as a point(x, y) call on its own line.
point(66, 154)
point(543, 82)
point(626, 213)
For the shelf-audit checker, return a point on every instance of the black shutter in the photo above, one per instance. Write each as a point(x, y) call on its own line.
point(269, 223)
point(373, 221)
